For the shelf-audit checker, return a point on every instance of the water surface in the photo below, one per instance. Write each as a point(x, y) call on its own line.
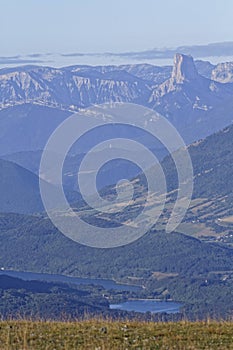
point(107, 284)
point(146, 305)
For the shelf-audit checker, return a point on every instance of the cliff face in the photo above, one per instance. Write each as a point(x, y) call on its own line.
point(189, 100)
point(223, 72)
point(67, 88)
point(184, 69)
point(181, 93)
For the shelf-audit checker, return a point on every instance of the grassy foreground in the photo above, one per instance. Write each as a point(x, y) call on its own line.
point(103, 335)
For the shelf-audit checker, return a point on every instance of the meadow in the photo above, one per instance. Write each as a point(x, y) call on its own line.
point(115, 335)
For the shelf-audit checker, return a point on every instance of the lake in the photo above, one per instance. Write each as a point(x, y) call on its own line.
point(107, 284)
point(146, 305)
point(139, 305)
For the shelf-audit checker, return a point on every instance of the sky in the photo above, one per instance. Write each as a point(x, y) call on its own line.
point(67, 26)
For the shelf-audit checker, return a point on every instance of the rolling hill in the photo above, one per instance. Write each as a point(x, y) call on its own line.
point(27, 127)
point(19, 189)
point(38, 299)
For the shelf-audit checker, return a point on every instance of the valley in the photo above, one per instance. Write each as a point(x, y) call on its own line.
point(191, 266)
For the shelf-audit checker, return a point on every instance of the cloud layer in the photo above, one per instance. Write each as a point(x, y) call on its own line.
point(215, 50)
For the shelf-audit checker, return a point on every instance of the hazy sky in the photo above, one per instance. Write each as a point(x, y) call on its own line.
point(31, 26)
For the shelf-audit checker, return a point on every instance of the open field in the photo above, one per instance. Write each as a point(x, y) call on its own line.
point(115, 335)
point(227, 220)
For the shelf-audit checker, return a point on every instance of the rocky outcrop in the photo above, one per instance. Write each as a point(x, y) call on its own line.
point(223, 73)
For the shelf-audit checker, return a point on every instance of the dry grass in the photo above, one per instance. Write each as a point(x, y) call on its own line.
point(104, 335)
point(162, 275)
point(227, 220)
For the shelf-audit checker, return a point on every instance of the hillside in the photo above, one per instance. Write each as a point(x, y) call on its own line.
point(19, 189)
point(38, 299)
point(212, 196)
point(27, 127)
point(211, 204)
point(99, 334)
point(199, 251)
point(39, 247)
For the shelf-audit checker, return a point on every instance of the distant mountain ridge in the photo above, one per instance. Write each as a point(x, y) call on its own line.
point(70, 87)
point(195, 104)
point(80, 86)
point(188, 99)
point(187, 94)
